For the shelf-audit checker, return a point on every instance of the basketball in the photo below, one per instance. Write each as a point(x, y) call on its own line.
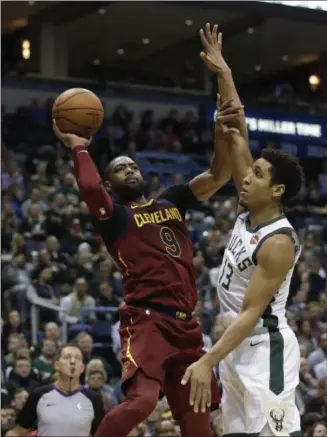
point(78, 111)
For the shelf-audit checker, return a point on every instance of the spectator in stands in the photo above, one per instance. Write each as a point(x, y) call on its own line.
point(95, 379)
point(318, 402)
point(164, 428)
point(22, 352)
point(8, 417)
point(106, 298)
point(106, 274)
point(84, 217)
point(14, 343)
point(34, 199)
point(319, 429)
point(22, 375)
point(316, 278)
point(17, 244)
point(201, 272)
point(44, 363)
point(9, 221)
point(155, 186)
point(320, 369)
point(32, 226)
point(56, 221)
point(19, 399)
point(11, 326)
point(72, 304)
point(304, 336)
point(84, 262)
point(307, 384)
point(52, 332)
point(69, 189)
point(320, 354)
point(44, 286)
point(52, 245)
point(315, 202)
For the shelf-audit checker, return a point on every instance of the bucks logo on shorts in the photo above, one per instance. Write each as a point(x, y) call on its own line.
point(277, 416)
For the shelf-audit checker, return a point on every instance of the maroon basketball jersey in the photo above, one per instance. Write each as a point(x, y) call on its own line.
point(151, 245)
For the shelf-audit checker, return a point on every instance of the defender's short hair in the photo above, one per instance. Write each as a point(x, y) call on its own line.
point(286, 170)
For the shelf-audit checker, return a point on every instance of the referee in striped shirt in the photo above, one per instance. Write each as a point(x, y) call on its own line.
point(64, 408)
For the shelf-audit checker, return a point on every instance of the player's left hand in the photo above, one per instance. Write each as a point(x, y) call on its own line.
point(199, 374)
point(212, 44)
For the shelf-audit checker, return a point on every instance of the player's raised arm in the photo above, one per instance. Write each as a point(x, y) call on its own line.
point(274, 260)
point(89, 181)
point(212, 56)
point(241, 158)
point(208, 183)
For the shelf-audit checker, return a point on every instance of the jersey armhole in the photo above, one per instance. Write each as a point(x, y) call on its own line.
point(286, 231)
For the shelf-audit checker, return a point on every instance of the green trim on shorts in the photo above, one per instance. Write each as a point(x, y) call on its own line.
point(276, 380)
point(296, 434)
point(276, 359)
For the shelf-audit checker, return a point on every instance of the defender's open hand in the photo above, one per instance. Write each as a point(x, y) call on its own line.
point(212, 44)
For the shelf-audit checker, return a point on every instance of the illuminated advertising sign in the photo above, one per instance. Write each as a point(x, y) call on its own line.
point(283, 127)
point(301, 136)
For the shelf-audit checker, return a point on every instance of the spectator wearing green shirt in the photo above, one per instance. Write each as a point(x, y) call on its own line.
point(44, 364)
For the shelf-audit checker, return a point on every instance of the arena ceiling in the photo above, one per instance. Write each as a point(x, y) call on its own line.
point(259, 38)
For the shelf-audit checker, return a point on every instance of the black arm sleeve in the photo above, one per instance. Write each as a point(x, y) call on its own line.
point(181, 196)
point(113, 228)
point(27, 417)
point(98, 408)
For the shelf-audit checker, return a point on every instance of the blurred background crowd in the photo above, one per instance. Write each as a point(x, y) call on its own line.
point(58, 282)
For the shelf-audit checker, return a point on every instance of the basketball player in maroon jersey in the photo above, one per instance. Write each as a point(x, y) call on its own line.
point(149, 240)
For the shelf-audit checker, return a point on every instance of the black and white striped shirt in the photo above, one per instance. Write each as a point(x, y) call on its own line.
point(59, 414)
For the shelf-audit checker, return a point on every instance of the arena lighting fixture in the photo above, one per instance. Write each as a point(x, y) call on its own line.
point(101, 11)
point(188, 22)
point(26, 45)
point(314, 81)
point(285, 58)
point(31, 3)
point(96, 62)
point(145, 41)
point(250, 30)
point(120, 52)
point(26, 54)
point(257, 68)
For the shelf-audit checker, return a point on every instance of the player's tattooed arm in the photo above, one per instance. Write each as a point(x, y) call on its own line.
point(212, 56)
point(274, 260)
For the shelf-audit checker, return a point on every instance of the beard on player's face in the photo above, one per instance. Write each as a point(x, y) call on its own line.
point(129, 193)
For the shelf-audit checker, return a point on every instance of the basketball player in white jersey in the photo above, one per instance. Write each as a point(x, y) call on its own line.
point(258, 354)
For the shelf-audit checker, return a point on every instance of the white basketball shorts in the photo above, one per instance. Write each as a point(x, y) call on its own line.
point(259, 379)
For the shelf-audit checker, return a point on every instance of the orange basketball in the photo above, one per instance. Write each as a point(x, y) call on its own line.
point(78, 111)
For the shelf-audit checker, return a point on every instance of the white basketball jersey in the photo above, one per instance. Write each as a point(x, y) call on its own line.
point(238, 266)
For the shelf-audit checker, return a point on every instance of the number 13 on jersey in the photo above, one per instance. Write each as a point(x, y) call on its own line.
point(226, 274)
